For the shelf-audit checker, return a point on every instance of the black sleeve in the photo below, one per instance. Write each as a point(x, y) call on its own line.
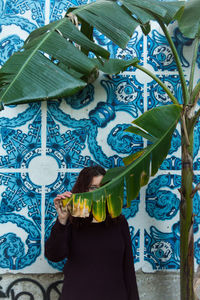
point(57, 246)
point(129, 270)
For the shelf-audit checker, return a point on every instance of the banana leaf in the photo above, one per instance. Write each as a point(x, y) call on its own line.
point(49, 65)
point(146, 10)
point(115, 66)
point(157, 125)
point(110, 19)
point(36, 71)
point(189, 21)
point(119, 21)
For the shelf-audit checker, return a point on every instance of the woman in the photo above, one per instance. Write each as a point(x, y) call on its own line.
point(99, 255)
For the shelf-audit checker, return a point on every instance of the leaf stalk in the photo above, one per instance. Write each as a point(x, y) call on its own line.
point(165, 88)
point(178, 62)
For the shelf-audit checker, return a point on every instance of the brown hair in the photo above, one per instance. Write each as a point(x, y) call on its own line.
point(82, 185)
point(85, 178)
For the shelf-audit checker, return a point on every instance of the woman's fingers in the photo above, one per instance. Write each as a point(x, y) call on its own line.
point(62, 196)
point(58, 205)
point(67, 194)
point(62, 212)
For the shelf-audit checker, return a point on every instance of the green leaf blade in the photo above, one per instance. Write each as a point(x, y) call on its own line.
point(115, 66)
point(146, 11)
point(118, 27)
point(140, 166)
point(31, 76)
point(189, 21)
point(99, 206)
point(114, 197)
point(21, 90)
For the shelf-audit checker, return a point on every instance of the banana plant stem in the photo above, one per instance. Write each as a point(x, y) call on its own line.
point(186, 219)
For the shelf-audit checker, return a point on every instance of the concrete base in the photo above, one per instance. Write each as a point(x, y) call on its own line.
point(158, 286)
point(152, 286)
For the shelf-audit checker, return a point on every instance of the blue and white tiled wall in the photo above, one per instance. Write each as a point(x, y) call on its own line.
point(43, 146)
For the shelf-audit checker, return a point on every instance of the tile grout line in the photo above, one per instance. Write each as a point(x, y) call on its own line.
point(143, 190)
point(64, 170)
point(47, 12)
point(43, 143)
point(43, 154)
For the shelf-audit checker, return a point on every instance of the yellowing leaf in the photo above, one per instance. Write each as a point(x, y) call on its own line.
point(160, 124)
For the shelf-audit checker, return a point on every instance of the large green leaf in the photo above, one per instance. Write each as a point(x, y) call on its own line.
point(158, 126)
point(173, 10)
point(110, 19)
point(146, 10)
point(49, 65)
point(118, 22)
point(189, 21)
point(115, 66)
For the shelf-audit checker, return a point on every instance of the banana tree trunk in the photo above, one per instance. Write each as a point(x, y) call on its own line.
point(186, 213)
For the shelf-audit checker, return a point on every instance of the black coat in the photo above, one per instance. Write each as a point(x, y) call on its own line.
point(100, 261)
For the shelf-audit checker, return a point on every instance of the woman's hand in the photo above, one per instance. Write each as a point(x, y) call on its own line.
point(63, 214)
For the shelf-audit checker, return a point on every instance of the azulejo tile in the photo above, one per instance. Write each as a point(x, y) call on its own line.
point(21, 246)
point(157, 96)
point(125, 93)
point(133, 49)
point(20, 206)
point(162, 249)
point(20, 194)
point(162, 241)
point(80, 132)
point(162, 197)
point(135, 238)
point(16, 24)
point(130, 212)
point(67, 147)
point(59, 7)
point(159, 56)
point(21, 8)
point(20, 137)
